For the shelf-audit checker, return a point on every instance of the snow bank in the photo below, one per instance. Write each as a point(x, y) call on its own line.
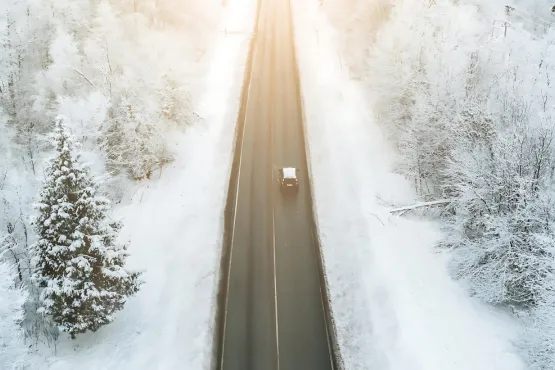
point(174, 227)
point(395, 306)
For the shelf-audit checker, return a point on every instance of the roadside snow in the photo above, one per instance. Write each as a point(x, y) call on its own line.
point(174, 227)
point(395, 306)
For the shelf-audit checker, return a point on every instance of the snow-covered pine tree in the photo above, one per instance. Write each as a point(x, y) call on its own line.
point(77, 261)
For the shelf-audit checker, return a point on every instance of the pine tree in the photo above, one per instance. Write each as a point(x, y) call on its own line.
point(77, 260)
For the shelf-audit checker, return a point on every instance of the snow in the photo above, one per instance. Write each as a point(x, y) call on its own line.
point(13, 352)
point(394, 304)
point(289, 173)
point(174, 227)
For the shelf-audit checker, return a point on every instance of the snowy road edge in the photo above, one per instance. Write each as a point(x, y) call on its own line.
point(338, 362)
point(230, 204)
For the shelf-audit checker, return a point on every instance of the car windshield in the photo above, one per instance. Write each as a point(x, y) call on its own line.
point(289, 173)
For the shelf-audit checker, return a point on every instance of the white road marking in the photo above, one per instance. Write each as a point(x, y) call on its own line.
point(254, 57)
point(315, 245)
point(275, 282)
point(274, 230)
point(234, 219)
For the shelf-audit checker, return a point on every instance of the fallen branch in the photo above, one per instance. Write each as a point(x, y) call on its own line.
point(420, 205)
point(85, 77)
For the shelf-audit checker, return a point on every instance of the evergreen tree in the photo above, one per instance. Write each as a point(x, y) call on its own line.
point(77, 261)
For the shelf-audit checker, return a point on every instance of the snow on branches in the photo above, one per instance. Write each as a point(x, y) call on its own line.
point(13, 351)
point(78, 263)
point(470, 109)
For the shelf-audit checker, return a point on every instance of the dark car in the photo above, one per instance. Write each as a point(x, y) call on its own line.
point(288, 179)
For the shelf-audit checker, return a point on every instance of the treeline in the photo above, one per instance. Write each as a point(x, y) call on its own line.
point(465, 91)
point(90, 91)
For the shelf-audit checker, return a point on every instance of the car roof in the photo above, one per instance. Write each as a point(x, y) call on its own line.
point(289, 173)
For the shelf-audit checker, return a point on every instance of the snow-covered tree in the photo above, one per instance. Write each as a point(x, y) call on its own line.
point(131, 143)
point(13, 351)
point(504, 215)
point(359, 22)
point(24, 38)
point(469, 105)
point(78, 263)
point(539, 339)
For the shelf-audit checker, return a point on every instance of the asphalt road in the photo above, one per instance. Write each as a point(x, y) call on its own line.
point(273, 313)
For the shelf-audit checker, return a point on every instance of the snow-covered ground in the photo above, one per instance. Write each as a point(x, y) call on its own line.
point(395, 306)
point(174, 226)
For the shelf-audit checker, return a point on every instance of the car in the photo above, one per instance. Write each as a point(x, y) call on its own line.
point(288, 179)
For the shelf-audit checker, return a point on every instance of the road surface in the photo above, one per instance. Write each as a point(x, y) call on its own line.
point(273, 312)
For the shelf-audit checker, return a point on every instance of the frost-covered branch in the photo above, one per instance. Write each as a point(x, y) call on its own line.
point(421, 205)
point(85, 77)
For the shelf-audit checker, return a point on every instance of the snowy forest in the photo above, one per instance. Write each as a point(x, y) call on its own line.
point(76, 131)
point(93, 91)
point(464, 90)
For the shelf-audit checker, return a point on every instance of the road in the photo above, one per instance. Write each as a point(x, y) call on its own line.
point(273, 315)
